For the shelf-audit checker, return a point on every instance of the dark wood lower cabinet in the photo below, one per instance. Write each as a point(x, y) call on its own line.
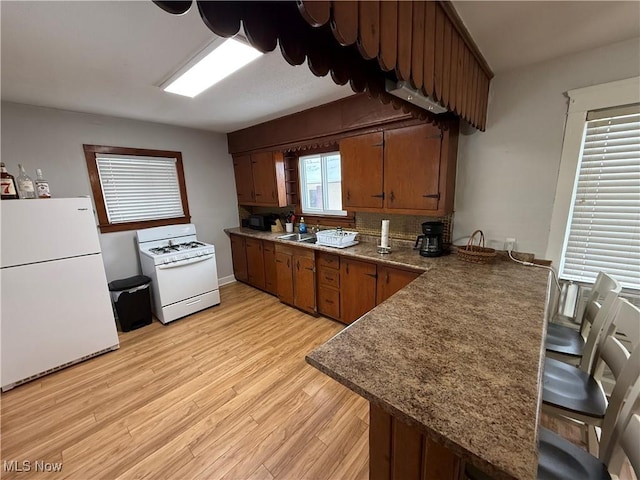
point(255, 262)
point(270, 275)
point(392, 279)
point(304, 281)
point(398, 451)
point(284, 273)
point(239, 258)
point(296, 277)
point(357, 288)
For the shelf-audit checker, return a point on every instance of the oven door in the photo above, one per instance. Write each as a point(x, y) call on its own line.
point(185, 279)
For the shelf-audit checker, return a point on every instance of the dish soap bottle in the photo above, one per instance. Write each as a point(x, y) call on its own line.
point(26, 188)
point(9, 190)
point(302, 228)
point(42, 186)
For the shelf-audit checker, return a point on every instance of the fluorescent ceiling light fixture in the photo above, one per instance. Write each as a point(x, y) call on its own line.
point(212, 67)
point(406, 92)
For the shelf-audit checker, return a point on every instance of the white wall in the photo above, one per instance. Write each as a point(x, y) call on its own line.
point(52, 140)
point(507, 176)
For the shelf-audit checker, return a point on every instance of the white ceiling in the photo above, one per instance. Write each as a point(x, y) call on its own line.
point(110, 57)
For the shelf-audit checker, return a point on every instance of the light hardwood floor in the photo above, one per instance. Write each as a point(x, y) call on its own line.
point(225, 394)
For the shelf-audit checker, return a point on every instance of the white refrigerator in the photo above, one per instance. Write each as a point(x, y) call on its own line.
point(56, 309)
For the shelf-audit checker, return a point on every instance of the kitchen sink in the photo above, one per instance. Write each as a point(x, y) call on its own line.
point(298, 237)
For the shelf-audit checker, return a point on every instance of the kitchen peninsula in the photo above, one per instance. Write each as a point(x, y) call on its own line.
point(451, 365)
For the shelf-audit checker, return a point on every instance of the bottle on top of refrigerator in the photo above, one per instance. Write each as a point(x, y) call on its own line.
point(26, 188)
point(42, 186)
point(9, 189)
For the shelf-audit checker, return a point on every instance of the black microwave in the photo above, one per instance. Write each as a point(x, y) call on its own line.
point(260, 222)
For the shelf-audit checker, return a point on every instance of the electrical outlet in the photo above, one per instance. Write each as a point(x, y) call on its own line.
point(509, 244)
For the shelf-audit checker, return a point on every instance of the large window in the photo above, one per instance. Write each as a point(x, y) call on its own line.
point(136, 188)
point(321, 184)
point(603, 232)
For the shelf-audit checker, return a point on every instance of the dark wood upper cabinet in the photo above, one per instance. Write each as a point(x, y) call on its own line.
point(361, 158)
point(244, 178)
point(412, 168)
point(260, 179)
point(408, 170)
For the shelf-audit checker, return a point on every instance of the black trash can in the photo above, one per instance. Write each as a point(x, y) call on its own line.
point(132, 301)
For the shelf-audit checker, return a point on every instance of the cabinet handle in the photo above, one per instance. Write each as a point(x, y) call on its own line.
point(327, 278)
point(330, 302)
point(373, 275)
point(433, 195)
point(379, 195)
point(392, 197)
point(347, 268)
point(348, 195)
point(387, 279)
point(258, 194)
point(298, 265)
point(288, 265)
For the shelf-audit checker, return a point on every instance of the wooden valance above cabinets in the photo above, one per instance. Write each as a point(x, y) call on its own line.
point(373, 45)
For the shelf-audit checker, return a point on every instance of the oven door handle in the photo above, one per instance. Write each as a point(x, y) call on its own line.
point(181, 263)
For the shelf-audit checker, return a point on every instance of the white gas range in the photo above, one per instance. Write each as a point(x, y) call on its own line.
point(182, 269)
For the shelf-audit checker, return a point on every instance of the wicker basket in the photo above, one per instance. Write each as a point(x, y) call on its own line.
point(476, 253)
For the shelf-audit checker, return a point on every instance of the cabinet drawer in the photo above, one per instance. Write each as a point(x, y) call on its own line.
point(329, 277)
point(329, 302)
point(328, 260)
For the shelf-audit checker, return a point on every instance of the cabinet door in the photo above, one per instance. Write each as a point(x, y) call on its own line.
point(264, 178)
point(304, 282)
point(284, 277)
point(244, 179)
point(358, 288)
point(390, 280)
point(270, 275)
point(412, 168)
point(239, 258)
point(255, 262)
point(329, 302)
point(361, 160)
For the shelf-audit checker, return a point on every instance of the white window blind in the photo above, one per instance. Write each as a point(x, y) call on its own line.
point(137, 188)
point(604, 228)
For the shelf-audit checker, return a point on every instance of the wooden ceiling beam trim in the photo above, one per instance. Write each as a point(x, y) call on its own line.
point(420, 42)
point(417, 44)
point(368, 29)
point(405, 26)
point(344, 21)
point(388, 54)
point(315, 12)
point(429, 48)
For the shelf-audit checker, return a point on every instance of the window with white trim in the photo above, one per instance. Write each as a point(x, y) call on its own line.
point(321, 184)
point(136, 188)
point(603, 231)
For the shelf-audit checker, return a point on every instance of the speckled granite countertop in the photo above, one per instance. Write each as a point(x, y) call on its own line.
point(457, 353)
point(401, 256)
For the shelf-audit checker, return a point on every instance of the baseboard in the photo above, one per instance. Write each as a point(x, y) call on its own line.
point(226, 280)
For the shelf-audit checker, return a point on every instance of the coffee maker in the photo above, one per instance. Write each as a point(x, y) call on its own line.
point(430, 243)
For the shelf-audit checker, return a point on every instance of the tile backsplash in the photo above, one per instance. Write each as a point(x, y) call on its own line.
point(404, 227)
point(401, 227)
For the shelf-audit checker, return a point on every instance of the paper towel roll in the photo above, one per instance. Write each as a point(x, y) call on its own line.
point(384, 235)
